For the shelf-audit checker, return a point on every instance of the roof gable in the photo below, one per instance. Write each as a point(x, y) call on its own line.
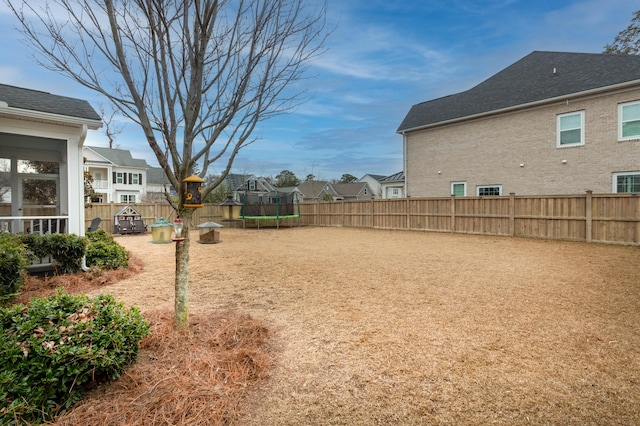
point(537, 77)
point(34, 100)
point(119, 157)
point(350, 189)
point(313, 188)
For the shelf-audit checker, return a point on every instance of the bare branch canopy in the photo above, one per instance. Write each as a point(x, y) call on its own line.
point(197, 76)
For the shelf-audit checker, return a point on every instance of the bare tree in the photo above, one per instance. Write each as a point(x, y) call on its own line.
point(110, 129)
point(198, 76)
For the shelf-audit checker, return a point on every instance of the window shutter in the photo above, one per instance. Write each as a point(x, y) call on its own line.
point(140, 178)
point(114, 177)
point(130, 180)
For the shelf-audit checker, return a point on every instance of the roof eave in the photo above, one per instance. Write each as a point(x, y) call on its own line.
point(47, 116)
point(590, 92)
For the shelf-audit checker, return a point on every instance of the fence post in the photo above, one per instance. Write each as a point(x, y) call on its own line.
point(589, 214)
point(408, 214)
point(453, 213)
point(372, 213)
point(512, 214)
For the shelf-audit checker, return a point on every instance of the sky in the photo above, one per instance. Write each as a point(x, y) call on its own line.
point(382, 57)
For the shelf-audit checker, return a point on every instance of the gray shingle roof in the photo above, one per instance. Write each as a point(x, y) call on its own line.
point(531, 79)
point(349, 189)
point(156, 175)
point(34, 100)
point(120, 157)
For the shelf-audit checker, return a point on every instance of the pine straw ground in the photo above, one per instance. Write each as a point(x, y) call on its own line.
point(385, 327)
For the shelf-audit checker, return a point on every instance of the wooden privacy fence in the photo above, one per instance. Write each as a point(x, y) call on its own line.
point(607, 218)
point(150, 213)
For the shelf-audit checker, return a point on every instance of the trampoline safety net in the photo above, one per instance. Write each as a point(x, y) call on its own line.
point(274, 204)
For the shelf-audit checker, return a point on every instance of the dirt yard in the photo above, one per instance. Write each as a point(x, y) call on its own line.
point(392, 327)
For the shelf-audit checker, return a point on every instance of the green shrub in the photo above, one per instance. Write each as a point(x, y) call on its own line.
point(104, 252)
point(13, 263)
point(67, 250)
point(54, 347)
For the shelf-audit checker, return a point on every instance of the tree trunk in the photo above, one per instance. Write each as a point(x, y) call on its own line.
point(181, 313)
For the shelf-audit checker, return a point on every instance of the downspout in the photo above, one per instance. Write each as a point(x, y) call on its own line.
point(404, 162)
point(83, 137)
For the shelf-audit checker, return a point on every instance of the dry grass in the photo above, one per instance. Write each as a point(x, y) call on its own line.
point(384, 327)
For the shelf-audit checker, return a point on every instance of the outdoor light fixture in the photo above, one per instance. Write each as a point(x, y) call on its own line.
point(177, 228)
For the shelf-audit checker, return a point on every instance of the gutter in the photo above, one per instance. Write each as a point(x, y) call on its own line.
point(47, 116)
point(563, 98)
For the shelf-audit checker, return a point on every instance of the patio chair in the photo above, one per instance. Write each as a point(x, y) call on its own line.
point(139, 227)
point(125, 227)
point(95, 223)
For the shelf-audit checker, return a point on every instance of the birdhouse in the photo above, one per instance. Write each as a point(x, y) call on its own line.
point(193, 197)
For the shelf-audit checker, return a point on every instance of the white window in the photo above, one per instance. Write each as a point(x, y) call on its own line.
point(127, 198)
point(629, 121)
point(570, 129)
point(488, 190)
point(135, 179)
point(459, 189)
point(120, 178)
point(395, 192)
point(627, 182)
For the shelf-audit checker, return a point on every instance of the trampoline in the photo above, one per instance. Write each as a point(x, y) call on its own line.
point(272, 206)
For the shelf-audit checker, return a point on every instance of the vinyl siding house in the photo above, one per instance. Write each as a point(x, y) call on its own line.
point(37, 126)
point(374, 183)
point(316, 190)
point(353, 191)
point(392, 186)
point(117, 176)
point(551, 123)
point(157, 185)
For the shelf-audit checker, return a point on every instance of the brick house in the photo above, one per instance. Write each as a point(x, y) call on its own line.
point(551, 123)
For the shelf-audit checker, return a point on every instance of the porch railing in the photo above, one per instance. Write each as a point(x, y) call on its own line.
point(34, 224)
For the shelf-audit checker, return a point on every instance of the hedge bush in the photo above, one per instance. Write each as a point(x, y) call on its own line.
point(104, 252)
point(13, 263)
point(55, 346)
point(67, 250)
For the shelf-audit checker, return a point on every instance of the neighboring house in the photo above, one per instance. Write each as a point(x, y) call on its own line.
point(117, 176)
point(392, 186)
point(374, 184)
point(353, 191)
point(316, 190)
point(40, 126)
point(551, 123)
point(157, 185)
point(247, 183)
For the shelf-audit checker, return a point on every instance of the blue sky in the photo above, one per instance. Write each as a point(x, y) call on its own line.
point(383, 57)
